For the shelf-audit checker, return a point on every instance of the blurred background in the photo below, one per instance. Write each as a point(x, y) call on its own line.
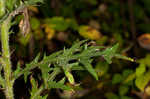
point(56, 24)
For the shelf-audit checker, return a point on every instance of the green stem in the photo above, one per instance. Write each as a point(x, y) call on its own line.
point(6, 58)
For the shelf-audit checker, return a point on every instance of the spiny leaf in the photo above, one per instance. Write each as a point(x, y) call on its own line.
point(123, 57)
point(2, 81)
point(70, 59)
point(51, 58)
point(53, 84)
point(62, 80)
point(35, 91)
point(55, 72)
point(77, 67)
point(36, 58)
point(45, 69)
point(74, 48)
point(34, 84)
point(89, 68)
point(27, 72)
point(109, 53)
point(69, 77)
point(18, 70)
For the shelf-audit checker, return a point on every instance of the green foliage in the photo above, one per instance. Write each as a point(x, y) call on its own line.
point(123, 90)
point(33, 2)
point(35, 23)
point(125, 97)
point(57, 23)
point(127, 72)
point(89, 33)
point(117, 78)
point(80, 52)
point(10, 4)
point(109, 53)
point(2, 8)
point(35, 92)
point(140, 70)
point(53, 84)
point(142, 73)
point(24, 40)
point(111, 96)
point(69, 76)
point(61, 24)
point(102, 68)
point(142, 80)
point(61, 59)
point(65, 20)
point(114, 96)
point(145, 60)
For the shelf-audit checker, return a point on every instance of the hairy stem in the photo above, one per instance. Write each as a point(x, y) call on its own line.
point(6, 58)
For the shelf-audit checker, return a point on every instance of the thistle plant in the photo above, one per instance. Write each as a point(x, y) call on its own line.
point(78, 57)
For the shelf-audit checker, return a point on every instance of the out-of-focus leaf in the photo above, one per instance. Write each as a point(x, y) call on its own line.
point(123, 90)
point(138, 11)
point(118, 38)
point(102, 41)
point(72, 24)
point(24, 40)
point(50, 32)
point(111, 96)
point(140, 70)
point(89, 32)
point(2, 8)
point(35, 23)
point(38, 34)
point(92, 2)
point(57, 23)
point(10, 4)
point(125, 97)
point(130, 78)
point(127, 72)
point(147, 90)
point(145, 60)
point(85, 15)
point(95, 24)
point(102, 68)
point(67, 11)
point(142, 81)
point(117, 78)
point(33, 9)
